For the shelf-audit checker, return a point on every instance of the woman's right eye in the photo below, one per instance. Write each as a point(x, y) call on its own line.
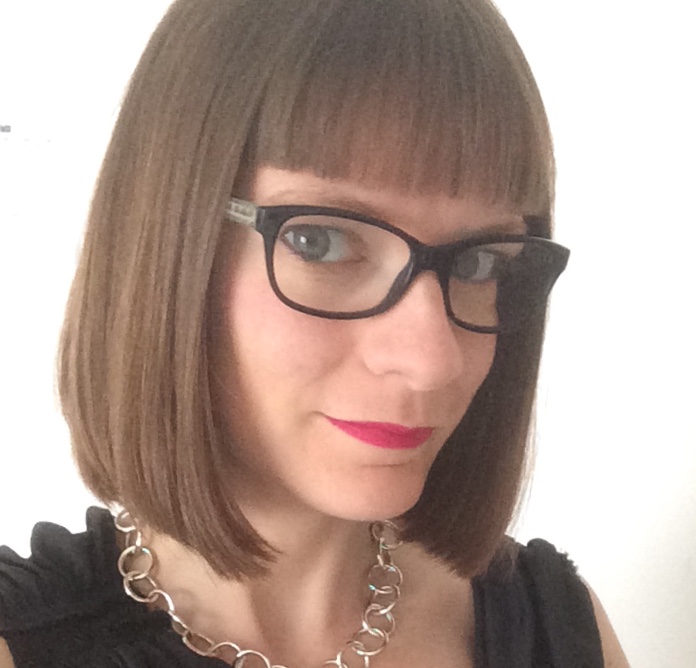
point(316, 243)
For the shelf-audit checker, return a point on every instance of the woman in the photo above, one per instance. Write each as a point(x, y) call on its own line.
point(310, 299)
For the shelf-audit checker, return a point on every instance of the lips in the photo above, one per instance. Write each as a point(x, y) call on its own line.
point(384, 434)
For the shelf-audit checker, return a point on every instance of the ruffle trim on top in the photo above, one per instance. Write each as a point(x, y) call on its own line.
point(538, 613)
point(66, 574)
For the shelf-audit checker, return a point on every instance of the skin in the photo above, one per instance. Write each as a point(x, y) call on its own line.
point(309, 488)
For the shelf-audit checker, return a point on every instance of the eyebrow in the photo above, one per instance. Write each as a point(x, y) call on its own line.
point(318, 197)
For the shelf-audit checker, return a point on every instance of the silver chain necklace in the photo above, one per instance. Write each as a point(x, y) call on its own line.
point(384, 584)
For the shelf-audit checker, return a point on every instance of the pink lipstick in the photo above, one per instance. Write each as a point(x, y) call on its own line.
point(384, 434)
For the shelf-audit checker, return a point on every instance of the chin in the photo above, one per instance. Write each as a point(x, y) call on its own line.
point(369, 499)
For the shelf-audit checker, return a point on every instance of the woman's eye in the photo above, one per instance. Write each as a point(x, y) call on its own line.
point(477, 266)
point(315, 243)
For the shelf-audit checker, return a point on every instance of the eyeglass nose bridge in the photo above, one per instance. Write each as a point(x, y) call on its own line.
point(437, 259)
point(426, 258)
point(423, 259)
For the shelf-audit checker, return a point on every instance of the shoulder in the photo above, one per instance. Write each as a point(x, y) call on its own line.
point(65, 606)
point(569, 592)
point(533, 603)
point(614, 656)
point(5, 656)
point(65, 574)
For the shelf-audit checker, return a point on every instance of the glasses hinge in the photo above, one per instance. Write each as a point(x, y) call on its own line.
point(242, 212)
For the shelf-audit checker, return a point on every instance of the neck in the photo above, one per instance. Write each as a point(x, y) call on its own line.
point(317, 582)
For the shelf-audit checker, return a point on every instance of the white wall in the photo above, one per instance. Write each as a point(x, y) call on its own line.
point(616, 470)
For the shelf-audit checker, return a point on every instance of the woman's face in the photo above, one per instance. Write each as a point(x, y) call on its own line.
point(296, 390)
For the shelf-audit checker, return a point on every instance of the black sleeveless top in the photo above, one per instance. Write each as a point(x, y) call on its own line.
point(65, 607)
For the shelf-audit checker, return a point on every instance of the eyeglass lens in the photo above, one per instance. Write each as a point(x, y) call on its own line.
point(338, 265)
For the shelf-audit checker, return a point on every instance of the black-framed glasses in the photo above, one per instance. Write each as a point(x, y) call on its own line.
point(338, 264)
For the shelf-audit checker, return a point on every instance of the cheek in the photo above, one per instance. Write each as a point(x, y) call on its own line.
point(481, 352)
point(478, 353)
point(275, 351)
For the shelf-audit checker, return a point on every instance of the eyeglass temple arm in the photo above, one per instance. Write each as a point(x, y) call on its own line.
point(242, 212)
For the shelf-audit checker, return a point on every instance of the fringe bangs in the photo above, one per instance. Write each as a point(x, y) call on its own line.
point(418, 97)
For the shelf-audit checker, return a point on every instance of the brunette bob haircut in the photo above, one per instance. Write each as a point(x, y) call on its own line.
point(418, 95)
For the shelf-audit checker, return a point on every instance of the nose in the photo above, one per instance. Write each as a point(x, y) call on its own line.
point(416, 340)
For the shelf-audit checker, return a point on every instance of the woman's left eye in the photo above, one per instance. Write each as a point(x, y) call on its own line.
point(476, 265)
point(316, 243)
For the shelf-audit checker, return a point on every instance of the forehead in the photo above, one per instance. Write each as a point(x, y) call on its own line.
point(432, 217)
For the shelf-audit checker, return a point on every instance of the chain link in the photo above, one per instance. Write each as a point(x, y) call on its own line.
point(378, 623)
